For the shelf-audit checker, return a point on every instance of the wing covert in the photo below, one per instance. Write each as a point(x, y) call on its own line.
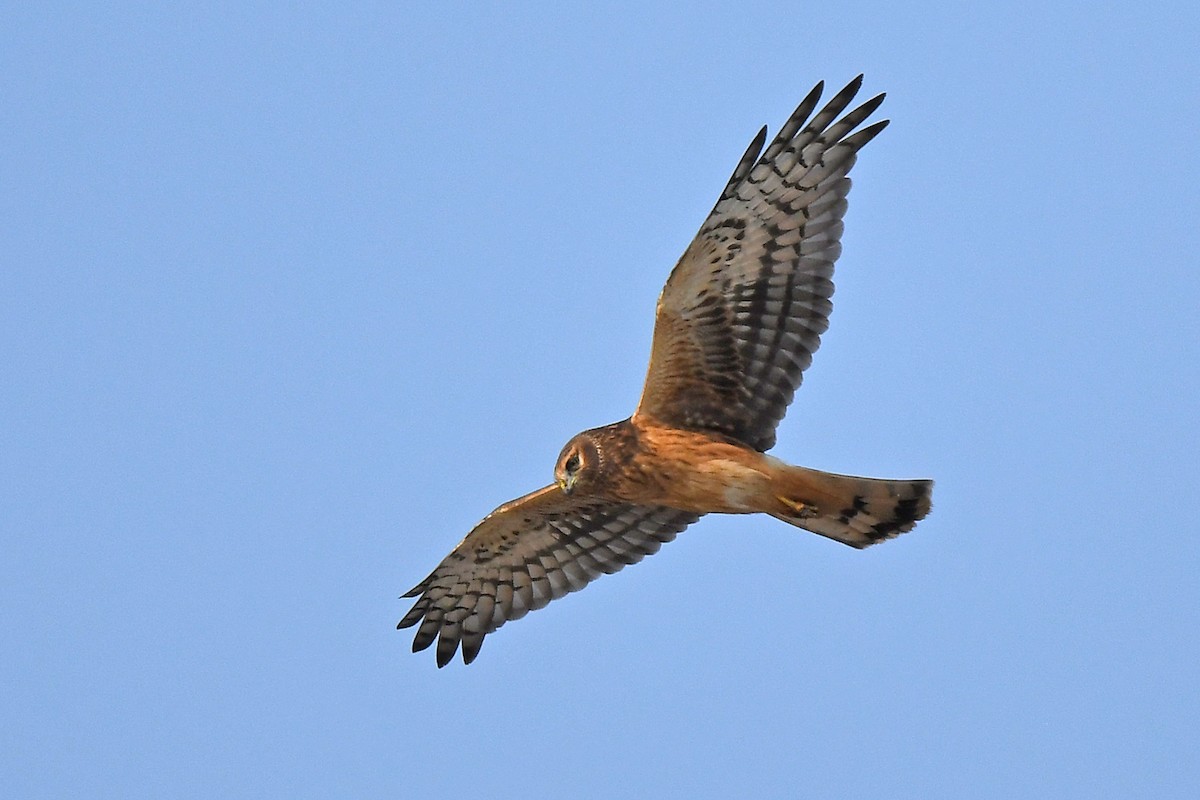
point(523, 555)
point(743, 311)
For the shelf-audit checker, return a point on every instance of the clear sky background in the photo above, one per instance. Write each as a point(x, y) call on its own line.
point(290, 298)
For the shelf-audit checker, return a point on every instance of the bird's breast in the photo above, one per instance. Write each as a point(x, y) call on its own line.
point(694, 472)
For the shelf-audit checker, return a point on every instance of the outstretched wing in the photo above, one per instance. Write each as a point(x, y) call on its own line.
point(525, 554)
point(744, 309)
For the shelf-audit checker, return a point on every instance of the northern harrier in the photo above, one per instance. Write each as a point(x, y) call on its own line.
point(737, 324)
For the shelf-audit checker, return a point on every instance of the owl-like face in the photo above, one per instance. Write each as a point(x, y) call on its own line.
point(578, 464)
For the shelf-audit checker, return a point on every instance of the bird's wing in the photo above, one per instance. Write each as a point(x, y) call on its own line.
point(525, 554)
point(744, 309)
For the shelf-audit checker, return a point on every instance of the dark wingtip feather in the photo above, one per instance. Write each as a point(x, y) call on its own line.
point(428, 631)
point(447, 647)
point(865, 110)
point(749, 158)
point(420, 587)
point(837, 104)
point(849, 90)
point(806, 106)
point(414, 614)
point(812, 98)
point(860, 139)
point(470, 647)
point(794, 122)
point(745, 163)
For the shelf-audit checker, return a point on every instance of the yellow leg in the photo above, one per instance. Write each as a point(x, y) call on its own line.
point(798, 508)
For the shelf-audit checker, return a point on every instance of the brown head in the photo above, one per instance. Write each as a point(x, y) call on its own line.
point(578, 464)
point(593, 462)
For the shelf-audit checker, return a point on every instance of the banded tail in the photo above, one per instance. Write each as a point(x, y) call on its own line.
point(856, 511)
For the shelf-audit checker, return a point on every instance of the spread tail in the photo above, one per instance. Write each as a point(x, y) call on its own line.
point(852, 510)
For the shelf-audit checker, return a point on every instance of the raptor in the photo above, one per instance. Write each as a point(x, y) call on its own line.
point(737, 324)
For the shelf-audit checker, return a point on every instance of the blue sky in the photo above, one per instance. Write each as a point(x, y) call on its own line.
point(290, 298)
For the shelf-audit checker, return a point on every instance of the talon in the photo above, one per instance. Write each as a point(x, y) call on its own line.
point(799, 508)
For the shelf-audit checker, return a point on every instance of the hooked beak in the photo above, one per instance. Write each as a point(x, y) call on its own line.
point(566, 483)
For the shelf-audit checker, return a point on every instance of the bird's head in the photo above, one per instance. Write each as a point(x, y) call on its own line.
point(578, 464)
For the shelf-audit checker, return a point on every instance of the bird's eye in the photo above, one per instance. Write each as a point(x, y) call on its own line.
point(573, 463)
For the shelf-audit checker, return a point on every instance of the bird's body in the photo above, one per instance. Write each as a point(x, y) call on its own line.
point(736, 326)
point(646, 463)
point(688, 470)
point(702, 472)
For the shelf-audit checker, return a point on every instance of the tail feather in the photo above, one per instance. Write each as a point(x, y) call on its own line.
point(856, 511)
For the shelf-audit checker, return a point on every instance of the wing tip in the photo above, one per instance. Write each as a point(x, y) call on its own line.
point(862, 137)
point(445, 654)
point(470, 648)
point(848, 91)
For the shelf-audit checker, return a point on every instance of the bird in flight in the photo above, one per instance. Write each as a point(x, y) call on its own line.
point(737, 324)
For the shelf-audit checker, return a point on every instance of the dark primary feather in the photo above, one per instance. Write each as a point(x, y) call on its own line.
point(525, 554)
point(744, 309)
point(749, 159)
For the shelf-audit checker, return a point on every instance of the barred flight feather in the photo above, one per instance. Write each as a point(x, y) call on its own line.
point(766, 256)
point(564, 545)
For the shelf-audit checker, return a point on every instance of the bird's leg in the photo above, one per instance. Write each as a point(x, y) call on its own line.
point(798, 508)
